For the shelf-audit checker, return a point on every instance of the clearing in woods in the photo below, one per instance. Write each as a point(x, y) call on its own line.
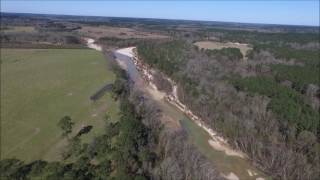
point(219, 45)
point(39, 87)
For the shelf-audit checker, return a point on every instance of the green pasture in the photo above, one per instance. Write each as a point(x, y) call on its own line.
point(39, 87)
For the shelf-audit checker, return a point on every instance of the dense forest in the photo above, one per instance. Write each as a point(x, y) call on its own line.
point(267, 106)
point(253, 37)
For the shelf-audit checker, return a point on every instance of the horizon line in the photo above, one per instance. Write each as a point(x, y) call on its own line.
point(301, 25)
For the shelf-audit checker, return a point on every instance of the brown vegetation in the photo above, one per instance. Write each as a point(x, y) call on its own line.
point(118, 32)
point(244, 48)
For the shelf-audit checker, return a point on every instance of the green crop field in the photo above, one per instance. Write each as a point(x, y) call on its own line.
point(39, 87)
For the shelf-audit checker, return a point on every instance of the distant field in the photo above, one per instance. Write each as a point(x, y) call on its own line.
point(124, 33)
point(26, 29)
point(39, 87)
point(218, 45)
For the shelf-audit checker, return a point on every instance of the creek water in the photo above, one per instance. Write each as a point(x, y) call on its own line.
point(232, 167)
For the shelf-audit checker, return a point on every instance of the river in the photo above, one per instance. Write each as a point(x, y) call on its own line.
point(232, 164)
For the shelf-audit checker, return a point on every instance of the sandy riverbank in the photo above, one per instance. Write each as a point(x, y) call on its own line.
point(91, 44)
point(217, 142)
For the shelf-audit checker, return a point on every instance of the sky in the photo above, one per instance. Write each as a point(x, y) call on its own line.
point(294, 12)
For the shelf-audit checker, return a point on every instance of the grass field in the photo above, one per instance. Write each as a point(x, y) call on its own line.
point(219, 45)
point(15, 29)
point(39, 87)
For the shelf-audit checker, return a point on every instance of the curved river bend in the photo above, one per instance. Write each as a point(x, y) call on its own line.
point(232, 164)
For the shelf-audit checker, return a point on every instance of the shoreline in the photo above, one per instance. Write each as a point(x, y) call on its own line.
point(215, 141)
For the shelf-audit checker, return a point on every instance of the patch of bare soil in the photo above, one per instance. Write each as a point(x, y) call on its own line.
point(157, 95)
point(91, 44)
point(231, 176)
point(223, 147)
point(126, 51)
